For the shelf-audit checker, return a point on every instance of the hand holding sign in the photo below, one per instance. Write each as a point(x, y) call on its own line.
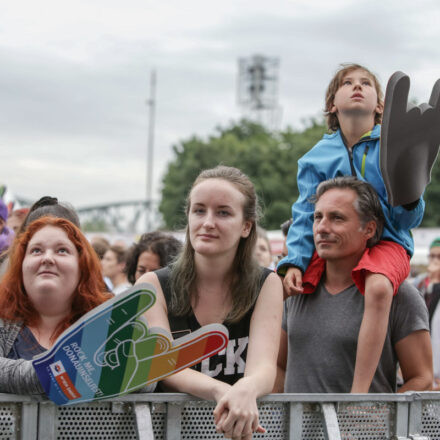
point(110, 351)
point(409, 142)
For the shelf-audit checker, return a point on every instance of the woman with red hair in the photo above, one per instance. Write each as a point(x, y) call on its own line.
point(54, 278)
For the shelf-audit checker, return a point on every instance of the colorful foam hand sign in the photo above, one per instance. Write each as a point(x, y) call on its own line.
point(410, 140)
point(111, 351)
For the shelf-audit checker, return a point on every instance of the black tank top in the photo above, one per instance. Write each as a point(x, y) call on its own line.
point(227, 365)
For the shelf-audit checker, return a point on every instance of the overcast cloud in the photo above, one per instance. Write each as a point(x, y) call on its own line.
point(74, 77)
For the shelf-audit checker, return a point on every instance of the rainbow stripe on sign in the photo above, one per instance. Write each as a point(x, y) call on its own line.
point(110, 351)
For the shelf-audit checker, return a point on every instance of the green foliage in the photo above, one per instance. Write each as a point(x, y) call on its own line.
point(432, 199)
point(270, 160)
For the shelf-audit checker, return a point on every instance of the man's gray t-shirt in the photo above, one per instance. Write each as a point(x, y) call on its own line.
point(322, 334)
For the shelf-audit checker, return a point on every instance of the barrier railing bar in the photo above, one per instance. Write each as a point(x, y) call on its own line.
point(315, 398)
point(39, 417)
point(29, 421)
point(286, 397)
point(144, 424)
point(295, 420)
point(330, 422)
point(4, 397)
point(173, 421)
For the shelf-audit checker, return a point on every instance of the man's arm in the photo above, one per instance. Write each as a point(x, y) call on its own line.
point(281, 364)
point(415, 358)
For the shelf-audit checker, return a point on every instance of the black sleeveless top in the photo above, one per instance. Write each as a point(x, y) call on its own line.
point(227, 365)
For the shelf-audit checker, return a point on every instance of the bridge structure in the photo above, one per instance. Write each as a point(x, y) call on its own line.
point(126, 216)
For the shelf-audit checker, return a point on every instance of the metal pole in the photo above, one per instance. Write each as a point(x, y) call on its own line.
point(150, 149)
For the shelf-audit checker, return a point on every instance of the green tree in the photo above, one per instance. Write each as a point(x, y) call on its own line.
point(432, 199)
point(269, 159)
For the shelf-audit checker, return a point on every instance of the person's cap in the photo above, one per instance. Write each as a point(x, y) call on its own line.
point(435, 243)
point(3, 210)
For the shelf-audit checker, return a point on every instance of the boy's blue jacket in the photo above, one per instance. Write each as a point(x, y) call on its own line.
point(330, 158)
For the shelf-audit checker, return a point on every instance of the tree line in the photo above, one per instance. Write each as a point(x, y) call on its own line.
point(268, 158)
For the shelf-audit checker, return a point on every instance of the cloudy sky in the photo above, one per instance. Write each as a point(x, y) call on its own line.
point(74, 77)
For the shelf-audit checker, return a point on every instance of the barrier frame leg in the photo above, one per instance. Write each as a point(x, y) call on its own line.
point(330, 422)
point(29, 421)
point(46, 421)
point(415, 421)
point(144, 425)
point(295, 420)
point(173, 421)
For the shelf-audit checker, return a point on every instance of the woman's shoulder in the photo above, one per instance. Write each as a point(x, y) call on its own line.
point(264, 273)
point(164, 277)
point(163, 274)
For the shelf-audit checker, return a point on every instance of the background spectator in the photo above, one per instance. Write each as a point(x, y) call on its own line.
point(6, 233)
point(263, 252)
point(153, 251)
point(48, 205)
point(101, 245)
point(113, 267)
point(285, 230)
point(16, 219)
point(425, 282)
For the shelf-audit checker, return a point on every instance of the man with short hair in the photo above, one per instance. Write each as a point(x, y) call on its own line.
point(320, 330)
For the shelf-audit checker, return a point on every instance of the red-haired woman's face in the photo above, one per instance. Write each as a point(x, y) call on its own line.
point(51, 271)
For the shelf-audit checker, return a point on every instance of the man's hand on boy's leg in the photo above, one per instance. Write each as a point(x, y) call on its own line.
point(292, 282)
point(378, 297)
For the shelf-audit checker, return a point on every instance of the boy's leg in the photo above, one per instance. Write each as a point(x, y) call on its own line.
point(380, 272)
point(373, 331)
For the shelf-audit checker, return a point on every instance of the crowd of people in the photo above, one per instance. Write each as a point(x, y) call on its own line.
point(335, 314)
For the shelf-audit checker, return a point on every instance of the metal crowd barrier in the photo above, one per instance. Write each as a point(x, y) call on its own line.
point(414, 416)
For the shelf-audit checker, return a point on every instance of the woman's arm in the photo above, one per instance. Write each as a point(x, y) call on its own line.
point(261, 364)
point(264, 336)
point(18, 377)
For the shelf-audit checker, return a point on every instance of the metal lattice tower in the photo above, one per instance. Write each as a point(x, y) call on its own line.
point(257, 92)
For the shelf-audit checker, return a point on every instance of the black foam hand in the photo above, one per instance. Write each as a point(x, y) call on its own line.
point(410, 140)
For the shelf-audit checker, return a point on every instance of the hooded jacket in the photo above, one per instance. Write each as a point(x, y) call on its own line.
point(330, 158)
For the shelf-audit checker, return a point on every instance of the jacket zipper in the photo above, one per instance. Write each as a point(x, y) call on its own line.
point(350, 158)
